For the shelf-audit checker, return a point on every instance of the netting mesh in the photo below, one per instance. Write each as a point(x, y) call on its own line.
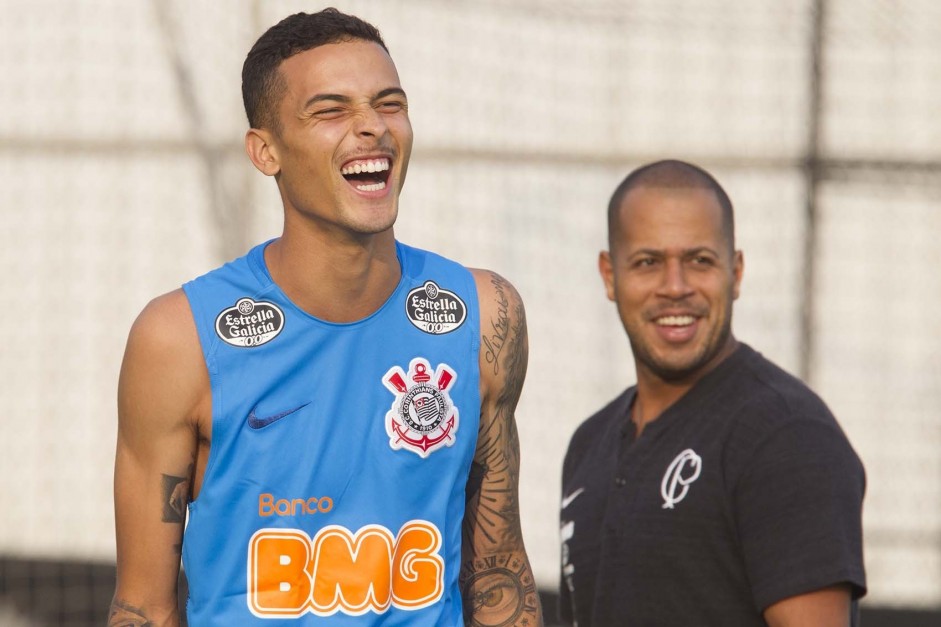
point(879, 366)
point(123, 175)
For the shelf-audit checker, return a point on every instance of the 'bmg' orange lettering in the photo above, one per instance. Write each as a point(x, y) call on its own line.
point(337, 570)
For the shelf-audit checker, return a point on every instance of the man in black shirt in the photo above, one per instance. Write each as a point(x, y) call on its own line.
point(719, 490)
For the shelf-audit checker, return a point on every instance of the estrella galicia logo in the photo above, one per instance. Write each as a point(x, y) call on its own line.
point(683, 470)
point(249, 323)
point(435, 310)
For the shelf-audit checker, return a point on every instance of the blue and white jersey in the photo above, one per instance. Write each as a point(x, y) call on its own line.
point(340, 452)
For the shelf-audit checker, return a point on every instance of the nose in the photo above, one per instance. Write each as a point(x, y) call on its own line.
point(674, 284)
point(370, 123)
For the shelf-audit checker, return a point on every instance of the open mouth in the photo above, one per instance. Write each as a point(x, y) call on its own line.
point(675, 321)
point(677, 329)
point(367, 175)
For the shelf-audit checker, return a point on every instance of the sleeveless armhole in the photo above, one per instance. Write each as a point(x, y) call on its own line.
point(208, 343)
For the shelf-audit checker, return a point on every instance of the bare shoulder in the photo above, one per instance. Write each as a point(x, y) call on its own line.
point(166, 321)
point(504, 345)
point(163, 360)
point(495, 293)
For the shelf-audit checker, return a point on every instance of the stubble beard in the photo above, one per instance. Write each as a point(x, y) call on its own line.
point(380, 224)
point(682, 368)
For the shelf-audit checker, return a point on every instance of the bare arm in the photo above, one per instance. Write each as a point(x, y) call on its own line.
point(162, 390)
point(828, 607)
point(496, 578)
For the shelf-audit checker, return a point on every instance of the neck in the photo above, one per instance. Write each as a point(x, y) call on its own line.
point(655, 394)
point(651, 400)
point(337, 280)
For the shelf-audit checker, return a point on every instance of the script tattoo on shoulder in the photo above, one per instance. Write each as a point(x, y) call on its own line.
point(123, 614)
point(499, 591)
point(176, 492)
point(500, 325)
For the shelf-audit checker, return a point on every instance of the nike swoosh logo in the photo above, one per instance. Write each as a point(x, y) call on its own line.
point(256, 422)
point(571, 497)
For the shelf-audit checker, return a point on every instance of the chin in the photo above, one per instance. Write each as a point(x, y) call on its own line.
point(674, 367)
point(383, 225)
point(373, 220)
point(674, 374)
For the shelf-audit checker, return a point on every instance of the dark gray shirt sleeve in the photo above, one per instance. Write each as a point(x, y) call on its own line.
point(798, 508)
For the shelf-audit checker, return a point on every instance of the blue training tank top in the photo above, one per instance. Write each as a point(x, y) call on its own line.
point(339, 454)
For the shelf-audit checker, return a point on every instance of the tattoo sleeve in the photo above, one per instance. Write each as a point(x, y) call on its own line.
point(496, 578)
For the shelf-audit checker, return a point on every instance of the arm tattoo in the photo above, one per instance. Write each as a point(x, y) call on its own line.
point(499, 591)
point(496, 580)
point(501, 326)
point(510, 394)
point(496, 501)
point(474, 481)
point(175, 494)
point(123, 614)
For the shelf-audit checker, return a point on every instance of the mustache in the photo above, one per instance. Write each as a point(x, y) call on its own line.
point(363, 151)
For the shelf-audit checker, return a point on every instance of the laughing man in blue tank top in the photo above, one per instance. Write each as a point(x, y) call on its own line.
point(331, 415)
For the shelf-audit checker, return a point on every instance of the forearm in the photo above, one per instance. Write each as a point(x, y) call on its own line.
point(149, 526)
point(827, 607)
point(496, 578)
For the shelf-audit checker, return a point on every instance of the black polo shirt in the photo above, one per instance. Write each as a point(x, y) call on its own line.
point(742, 493)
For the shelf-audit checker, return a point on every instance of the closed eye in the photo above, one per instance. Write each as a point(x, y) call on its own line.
point(391, 106)
point(329, 113)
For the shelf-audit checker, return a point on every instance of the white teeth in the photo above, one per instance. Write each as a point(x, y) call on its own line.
point(675, 321)
point(376, 165)
point(372, 188)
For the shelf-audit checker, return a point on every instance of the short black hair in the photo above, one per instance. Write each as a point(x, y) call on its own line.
point(263, 85)
point(670, 174)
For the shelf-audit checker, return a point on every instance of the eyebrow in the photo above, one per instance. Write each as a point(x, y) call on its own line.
point(389, 91)
point(686, 252)
point(700, 249)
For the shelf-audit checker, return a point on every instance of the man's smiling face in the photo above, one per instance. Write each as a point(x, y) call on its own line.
point(345, 138)
point(673, 275)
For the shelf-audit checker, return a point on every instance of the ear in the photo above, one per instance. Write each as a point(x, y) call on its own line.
point(738, 269)
point(261, 149)
point(606, 269)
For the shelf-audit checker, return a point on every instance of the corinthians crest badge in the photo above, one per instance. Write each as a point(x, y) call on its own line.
point(422, 418)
